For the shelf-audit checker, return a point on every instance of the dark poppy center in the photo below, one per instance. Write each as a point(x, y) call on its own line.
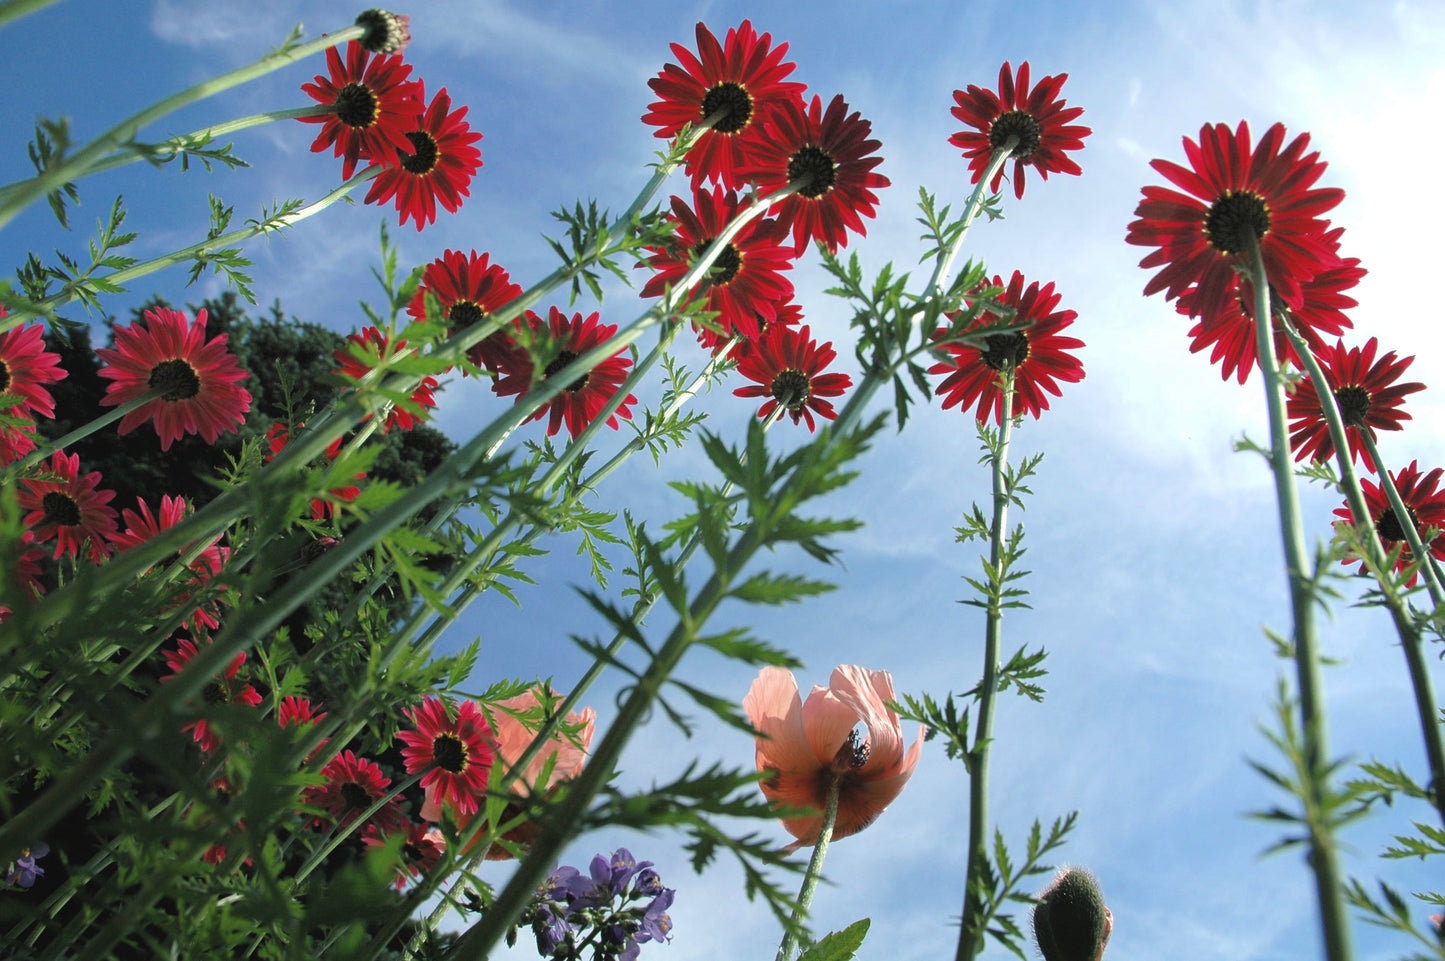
point(424, 155)
point(449, 753)
point(354, 796)
point(853, 754)
point(4, 377)
point(1233, 219)
point(817, 165)
point(791, 387)
point(727, 265)
point(1020, 124)
point(175, 379)
point(356, 106)
point(1388, 526)
point(1006, 350)
point(216, 693)
point(563, 359)
point(412, 852)
point(465, 314)
point(1354, 404)
point(732, 98)
point(60, 509)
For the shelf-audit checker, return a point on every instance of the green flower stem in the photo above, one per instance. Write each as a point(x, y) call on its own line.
point(1323, 856)
point(1405, 625)
point(43, 451)
point(1429, 567)
point(15, 9)
point(116, 278)
point(941, 270)
point(815, 869)
point(970, 941)
point(81, 162)
point(168, 149)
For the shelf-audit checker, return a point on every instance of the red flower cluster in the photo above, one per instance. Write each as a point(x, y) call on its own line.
point(582, 400)
point(469, 290)
point(63, 505)
point(25, 368)
point(230, 687)
point(278, 436)
point(207, 565)
point(1037, 356)
point(1366, 393)
point(424, 153)
point(787, 367)
point(1425, 502)
point(1237, 196)
point(365, 351)
point(1036, 120)
point(456, 752)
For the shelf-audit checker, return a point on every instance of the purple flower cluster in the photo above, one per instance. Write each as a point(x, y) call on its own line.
point(619, 905)
point(23, 871)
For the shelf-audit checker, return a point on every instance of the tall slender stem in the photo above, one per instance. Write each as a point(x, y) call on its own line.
point(1323, 855)
point(815, 870)
point(970, 941)
point(116, 137)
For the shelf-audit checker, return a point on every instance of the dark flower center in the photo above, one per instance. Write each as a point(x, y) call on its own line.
point(727, 265)
point(1020, 124)
point(216, 692)
point(853, 754)
point(175, 379)
point(1388, 526)
point(412, 852)
point(425, 154)
point(355, 796)
point(4, 377)
point(817, 165)
point(792, 388)
point(60, 509)
point(386, 32)
point(1354, 404)
point(1233, 219)
point(465, 314)
point(563, 359)
point(733, 98)
point(356, 106)
point(449, 753)
point(1006, 350)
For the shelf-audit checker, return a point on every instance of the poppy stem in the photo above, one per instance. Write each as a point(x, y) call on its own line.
point(939, 281)
point(810, 877)
point(974, 922)
point(1314, 792)
point(80, 433)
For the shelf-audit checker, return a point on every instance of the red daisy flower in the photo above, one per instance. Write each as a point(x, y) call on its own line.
point(744, 283)
point(16, 440)
point(437, 169)
point(788, 367)
point(66, 506)
point(297, 712)
point(1037, 118)
point(583, 399)
point(1231, 332)
point(831, 151)
point(1422, 499)
point(457, 750)
point(469, 290)
point(420, 852)
point(198, 378)
point(208, 564)
point(1367, 394)
point(1235, 192)
point(784, 315)
point(1036, 355)
point(742, 77)
point(356, 363)
point(278, 436)
point(352, 786)
point(25, 368)
point(24, 577)
point(375, 107)
point(227, 688)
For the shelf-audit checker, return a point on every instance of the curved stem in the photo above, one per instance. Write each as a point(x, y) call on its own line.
point(970, 941)
point(815, 870)
point(15, 9)
point(116, 137)
point(80, 433)
point(1323, 855)
point(944, 267)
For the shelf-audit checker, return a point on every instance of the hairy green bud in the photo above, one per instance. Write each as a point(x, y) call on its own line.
point(1071, 921)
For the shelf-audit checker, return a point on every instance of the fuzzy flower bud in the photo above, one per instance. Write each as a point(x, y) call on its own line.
point(386, 32)
point(1071, 921)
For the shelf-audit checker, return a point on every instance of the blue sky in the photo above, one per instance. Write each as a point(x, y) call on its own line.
point(1154, 547)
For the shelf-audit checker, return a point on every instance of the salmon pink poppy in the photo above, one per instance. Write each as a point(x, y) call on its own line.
point(807, 747)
